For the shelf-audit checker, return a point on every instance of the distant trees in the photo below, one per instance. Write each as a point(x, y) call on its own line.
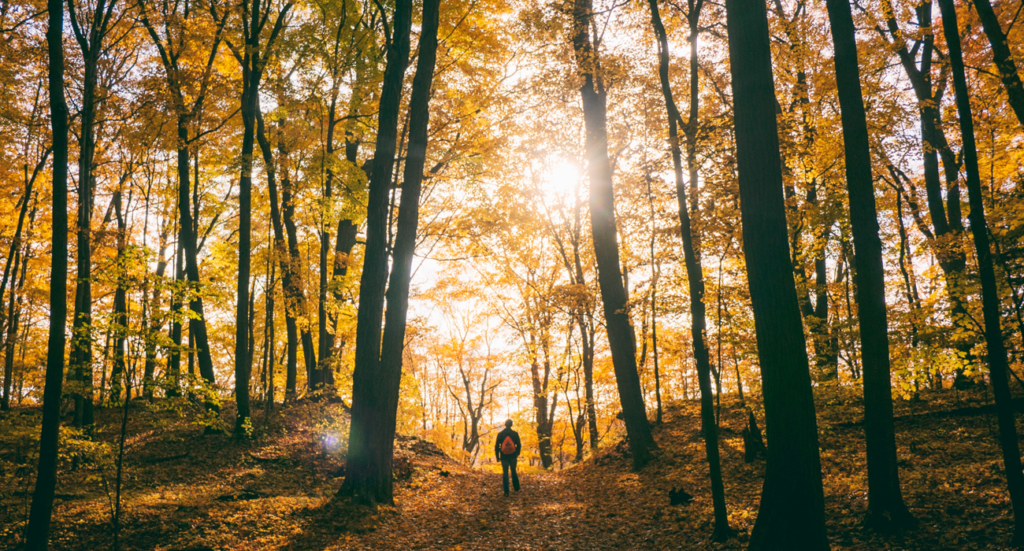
point(186, 80)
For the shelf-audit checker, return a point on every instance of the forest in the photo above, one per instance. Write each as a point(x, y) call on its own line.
point(741, 275)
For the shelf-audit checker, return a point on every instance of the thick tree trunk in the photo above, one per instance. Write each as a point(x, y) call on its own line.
point(886, 509)
point(1003, 57)
point(606, 248)
point(38, 531)
point(393, 340)
point(792, 508)
point(371, 435)
point(997, 358)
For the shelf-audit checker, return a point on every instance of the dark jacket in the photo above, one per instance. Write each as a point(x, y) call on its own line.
point(501, 438)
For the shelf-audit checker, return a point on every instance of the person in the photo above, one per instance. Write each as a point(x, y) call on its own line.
point(506, 449)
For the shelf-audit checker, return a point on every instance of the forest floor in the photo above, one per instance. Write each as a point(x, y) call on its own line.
point(185, 491)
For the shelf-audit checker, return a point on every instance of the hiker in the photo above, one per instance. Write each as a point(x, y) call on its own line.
point(506, 449)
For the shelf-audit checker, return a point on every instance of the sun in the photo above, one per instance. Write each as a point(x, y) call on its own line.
point(563, 179)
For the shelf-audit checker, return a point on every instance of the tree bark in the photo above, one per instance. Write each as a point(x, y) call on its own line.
point(886, 509)
point(371, 433)
point(38, 531)
point(606, 249)
point(792, 509)
point(997, 358)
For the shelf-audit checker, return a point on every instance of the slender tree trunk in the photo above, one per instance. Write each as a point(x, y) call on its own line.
point(585, 321)
point(1002, 57)
point(81, 344)
point(14, 315)
point(792, 508)
point(606, 249)
point(12, 331)
point(886, 509)
point(119, 322)
point(368, 476)
point(253, 60)
point(997, 358)
point(15, 258)
point(198, 338)
point(38, 531)
point(268, 341)
point(252, 73)
point(694, 271)
point(287, 254)
point(154, 322)
point(174, 354)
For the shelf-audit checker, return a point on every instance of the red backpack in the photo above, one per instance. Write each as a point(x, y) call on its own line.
point(508, 447)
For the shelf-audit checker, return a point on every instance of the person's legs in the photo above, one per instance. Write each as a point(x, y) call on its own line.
point(505, 466)
point(515, 475)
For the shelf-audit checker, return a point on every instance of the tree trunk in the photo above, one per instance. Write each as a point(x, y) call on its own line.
point(14, 258)
point(81, 343)
point(792, 509)
point(694, 271)
point(187, 236)
point(253, 62)
point(118, 375)
point(153, 321)
point(38, 531)
point(947, 230)
point(540, 406)
point(174, 354)
point(1002, 57)
point(405, 246)
point(886, 509)
point(14, 315)
point(368, 475)
point(287, 254)
point(606, 249)
point(997, 359)
point(252, 73)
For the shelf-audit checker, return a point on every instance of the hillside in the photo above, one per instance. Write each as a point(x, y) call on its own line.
point(186, 491)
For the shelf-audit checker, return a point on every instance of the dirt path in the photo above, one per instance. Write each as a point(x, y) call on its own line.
point(467, 510)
